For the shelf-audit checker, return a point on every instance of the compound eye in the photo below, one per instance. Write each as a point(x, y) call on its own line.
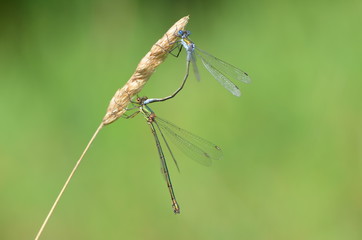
point(180, 32)
point(138, 99)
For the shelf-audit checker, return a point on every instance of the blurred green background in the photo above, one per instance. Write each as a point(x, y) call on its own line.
point(292, 142)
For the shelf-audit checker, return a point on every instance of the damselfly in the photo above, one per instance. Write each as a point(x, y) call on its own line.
point(223, 72)
point(193, 146)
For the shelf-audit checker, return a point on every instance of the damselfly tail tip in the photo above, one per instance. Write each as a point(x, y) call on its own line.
point(176, 208)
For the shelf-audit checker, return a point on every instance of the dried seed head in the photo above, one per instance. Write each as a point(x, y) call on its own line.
point(144, 70)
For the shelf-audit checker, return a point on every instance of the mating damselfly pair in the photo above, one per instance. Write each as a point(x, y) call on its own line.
point(193, 146)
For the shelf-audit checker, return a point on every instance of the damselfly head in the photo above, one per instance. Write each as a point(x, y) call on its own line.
point(140, 100)
point(183, 34)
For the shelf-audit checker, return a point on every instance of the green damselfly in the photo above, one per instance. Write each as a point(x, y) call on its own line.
point(193, 146)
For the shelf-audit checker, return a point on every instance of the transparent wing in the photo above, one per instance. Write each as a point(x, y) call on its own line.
point(197, 148)
point(223, 72)
point(166, 143)
point(194, 65)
